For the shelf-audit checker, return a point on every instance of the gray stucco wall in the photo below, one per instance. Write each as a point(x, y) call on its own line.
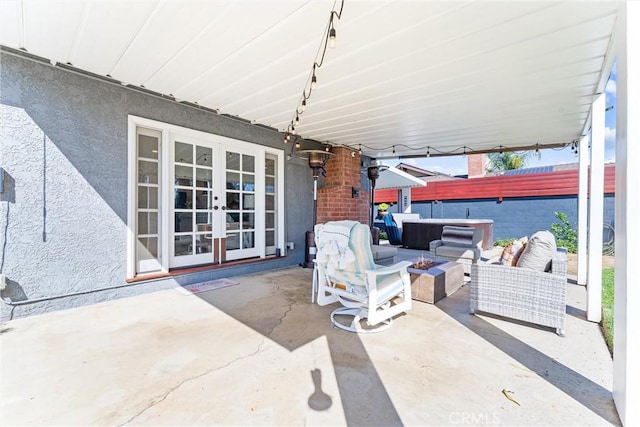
point(63, 212)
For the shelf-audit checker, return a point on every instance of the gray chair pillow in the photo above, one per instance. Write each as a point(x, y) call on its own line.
point(539, 252)
point(457, 236)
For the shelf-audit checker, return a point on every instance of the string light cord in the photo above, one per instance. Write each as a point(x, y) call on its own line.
point(430, 150)
point(310, 84)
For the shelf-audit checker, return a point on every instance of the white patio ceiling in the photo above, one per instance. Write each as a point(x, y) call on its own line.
point(414, 74)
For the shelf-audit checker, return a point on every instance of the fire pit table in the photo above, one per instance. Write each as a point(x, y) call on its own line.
point(434, 279)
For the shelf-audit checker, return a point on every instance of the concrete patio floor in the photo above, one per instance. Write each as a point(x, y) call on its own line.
point(259, 353)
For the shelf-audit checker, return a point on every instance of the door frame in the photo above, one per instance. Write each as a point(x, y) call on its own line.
point(167, 130)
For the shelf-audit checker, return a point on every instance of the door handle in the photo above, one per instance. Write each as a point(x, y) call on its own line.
point(224, 208)
point(215, 208)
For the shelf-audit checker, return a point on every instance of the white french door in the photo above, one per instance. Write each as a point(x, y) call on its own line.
point(243, 202)
point(215, 197)
point(197, 198)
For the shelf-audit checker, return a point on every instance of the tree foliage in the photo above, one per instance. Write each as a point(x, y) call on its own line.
point(566, 236)
point(507, 160)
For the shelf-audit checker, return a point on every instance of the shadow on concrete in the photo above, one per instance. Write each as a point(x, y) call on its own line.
point(283, 313)
point(588, 393)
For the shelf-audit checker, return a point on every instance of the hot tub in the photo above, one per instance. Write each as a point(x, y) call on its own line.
point(417, 234)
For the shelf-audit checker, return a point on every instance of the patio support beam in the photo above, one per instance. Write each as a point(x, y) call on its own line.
point(583, 213)
point(596, 210)
point(626, 347)
point(406, 200)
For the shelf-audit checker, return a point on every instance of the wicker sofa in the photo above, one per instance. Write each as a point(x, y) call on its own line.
point(520, 293)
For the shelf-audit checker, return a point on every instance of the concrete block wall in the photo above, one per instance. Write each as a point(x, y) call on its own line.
point(513, 217)
point(64, 209)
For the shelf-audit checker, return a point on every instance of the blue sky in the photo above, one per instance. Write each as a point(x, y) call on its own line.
point(457, 165)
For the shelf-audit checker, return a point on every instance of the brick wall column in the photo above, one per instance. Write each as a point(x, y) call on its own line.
point(475, 165)
point(335, 201)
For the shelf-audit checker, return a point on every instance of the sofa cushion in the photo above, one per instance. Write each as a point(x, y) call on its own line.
point(512, 252)
point(383, 251)
point(539, 251)
point(458, 236)
point(458, 252)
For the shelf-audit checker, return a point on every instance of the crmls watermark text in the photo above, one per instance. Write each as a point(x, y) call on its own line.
point(474, 418)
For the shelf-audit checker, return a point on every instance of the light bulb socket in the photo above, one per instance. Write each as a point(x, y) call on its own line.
point(304, 105)
point(314, 81)
point(332, 37)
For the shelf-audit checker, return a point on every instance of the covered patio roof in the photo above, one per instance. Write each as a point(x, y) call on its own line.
point(404, 79)
point(395, 178)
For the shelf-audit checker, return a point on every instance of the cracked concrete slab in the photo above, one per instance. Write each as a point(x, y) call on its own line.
point(260, 353)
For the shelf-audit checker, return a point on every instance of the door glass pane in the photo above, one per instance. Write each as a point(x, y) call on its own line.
point(270, 238)
point(147, 146)
point(147, 197)
point(248, 221)
point(233, 241)
point(147, 248)
point(248, 240)
point(269, 166)
point(183, 222)
point(203, 156)
point(233, 161)
point(270, 202)
point(270, 185)
point(147, 223)
point(183, 153)
point(184, 176)
point(203, 243)
point(248, 182)
point(183, 245)
point(233, 181)
point(183, 199)
point(248, 201)
point(271, 220)
point(233, 201)
point(248, 163)
point(203, 178)
point(147, 172)
point(202, 199)
point(233, 221)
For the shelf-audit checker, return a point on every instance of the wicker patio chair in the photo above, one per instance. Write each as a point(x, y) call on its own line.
point(520, 293)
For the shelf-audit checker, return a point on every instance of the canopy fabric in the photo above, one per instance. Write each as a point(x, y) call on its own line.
point(395, 178)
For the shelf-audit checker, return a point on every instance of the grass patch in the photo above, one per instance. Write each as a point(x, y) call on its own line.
point(607, 306)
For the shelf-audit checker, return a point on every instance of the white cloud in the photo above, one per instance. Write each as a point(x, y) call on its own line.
point(609, 135)
point(610, 88)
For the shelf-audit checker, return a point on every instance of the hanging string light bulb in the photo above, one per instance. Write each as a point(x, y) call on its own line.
point(329, 40)
point(314, 80)
point(332, 36)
